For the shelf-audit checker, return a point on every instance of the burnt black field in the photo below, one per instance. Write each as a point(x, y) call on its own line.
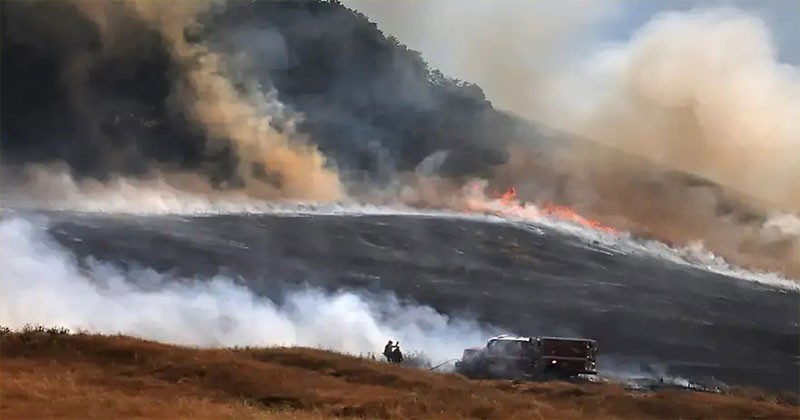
point(646, 312)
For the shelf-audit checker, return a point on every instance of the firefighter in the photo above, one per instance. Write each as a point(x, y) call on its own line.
point(397, 355)
point(387, 351)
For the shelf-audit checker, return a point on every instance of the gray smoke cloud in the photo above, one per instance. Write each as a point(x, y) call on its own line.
point(700, 90)
point(211, 90)
point(718, 103)
point(231, 105)
point(703, 92)
point(510, 49)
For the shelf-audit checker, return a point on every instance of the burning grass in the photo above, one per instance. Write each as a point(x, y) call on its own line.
point(51, 373)
point(508, 204)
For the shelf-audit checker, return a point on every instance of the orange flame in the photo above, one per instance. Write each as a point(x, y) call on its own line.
point(509, 201)
point(508, 196)
point(568, 214)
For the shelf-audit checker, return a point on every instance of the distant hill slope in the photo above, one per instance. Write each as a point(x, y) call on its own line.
point(368, 101)
point(373, 106)
point(48, 374)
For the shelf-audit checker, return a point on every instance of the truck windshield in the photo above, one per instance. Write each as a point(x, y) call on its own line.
point(508, 347)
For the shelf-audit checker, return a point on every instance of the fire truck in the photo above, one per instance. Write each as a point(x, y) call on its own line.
point(533, 358)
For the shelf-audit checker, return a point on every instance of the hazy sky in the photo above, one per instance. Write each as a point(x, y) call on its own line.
point(708, 87)
point(427, 26)
point(781, 16)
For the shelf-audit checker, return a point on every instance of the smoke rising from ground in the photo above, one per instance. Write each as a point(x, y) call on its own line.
point(700, 90)
point(244, 117)
point(42, 283)
point(271, 101)
point(703, 92)
point(55, 187)
point(224, 105)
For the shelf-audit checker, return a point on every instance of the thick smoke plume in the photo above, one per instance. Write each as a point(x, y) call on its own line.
point(243, 117)
point(42, 283)
point(237, 102)
point(700, 91)
point(229, 107)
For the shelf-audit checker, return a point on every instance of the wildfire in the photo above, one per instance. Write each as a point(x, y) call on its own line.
point(566, 213)
point(508, 196)
point(510, 206)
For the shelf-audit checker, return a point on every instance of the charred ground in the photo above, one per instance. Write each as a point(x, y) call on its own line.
point(647, 313)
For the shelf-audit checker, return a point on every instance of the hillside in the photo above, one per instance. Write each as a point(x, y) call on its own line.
point(371, 104)
point(48, 374)
point(373, 107)
point(368, 102)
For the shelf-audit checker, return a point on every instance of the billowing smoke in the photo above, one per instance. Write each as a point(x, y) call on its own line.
point(239, 102)
point(243, 116)
point(227, 107)
point(55, 187)
point(43, 283)
point(700, 91)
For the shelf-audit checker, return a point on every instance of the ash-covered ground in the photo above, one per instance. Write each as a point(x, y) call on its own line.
point(651, 315)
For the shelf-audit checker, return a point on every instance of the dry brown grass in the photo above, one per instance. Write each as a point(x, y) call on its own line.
point(46, 375)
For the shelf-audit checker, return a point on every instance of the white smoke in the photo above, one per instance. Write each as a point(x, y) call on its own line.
point(53, 187)
point(783, 224)
point(42, 283)
point(702, 91)
point(48, 187)
point(645, 373)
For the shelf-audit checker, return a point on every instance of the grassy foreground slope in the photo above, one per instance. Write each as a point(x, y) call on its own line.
point(48, 374)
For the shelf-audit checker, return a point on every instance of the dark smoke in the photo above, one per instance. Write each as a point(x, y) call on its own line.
point(102, 103)
point(100, 108)
point(286, 99)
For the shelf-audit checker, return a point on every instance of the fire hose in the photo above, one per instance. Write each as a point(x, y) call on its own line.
point(442, 364)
